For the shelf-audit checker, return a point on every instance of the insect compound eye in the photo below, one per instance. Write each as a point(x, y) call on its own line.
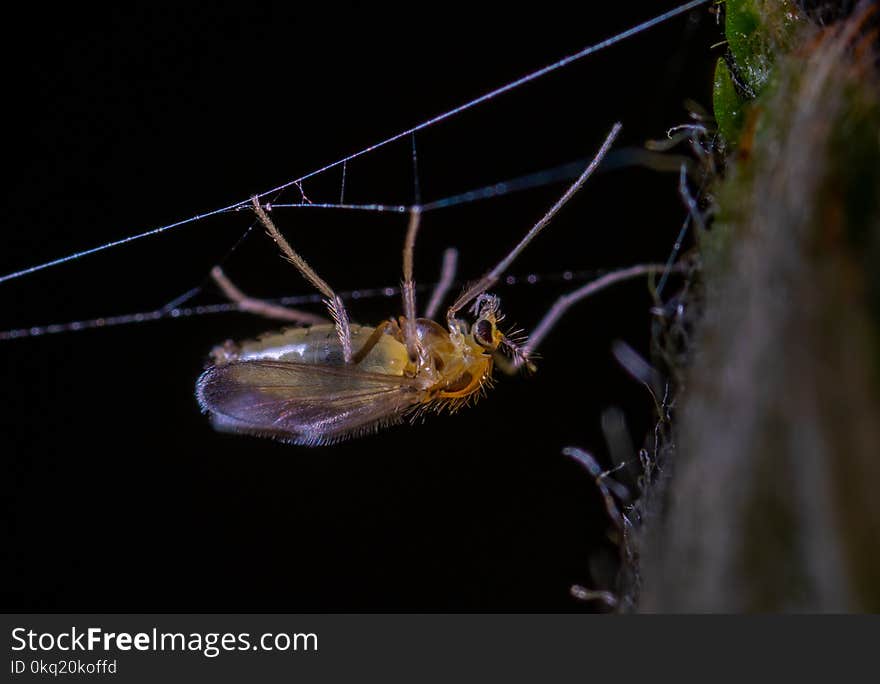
point(483, 333)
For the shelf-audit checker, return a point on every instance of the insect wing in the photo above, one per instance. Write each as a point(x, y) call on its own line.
point(303, 403)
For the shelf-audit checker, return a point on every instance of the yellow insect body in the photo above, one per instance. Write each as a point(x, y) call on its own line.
point(295, 385)
point(332, 381)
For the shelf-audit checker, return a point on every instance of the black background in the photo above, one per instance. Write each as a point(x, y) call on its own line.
point(117, 493)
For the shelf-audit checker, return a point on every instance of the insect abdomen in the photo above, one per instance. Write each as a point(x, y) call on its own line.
point(319, 345)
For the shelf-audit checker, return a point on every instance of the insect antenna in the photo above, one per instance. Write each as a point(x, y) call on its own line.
point(514, 344)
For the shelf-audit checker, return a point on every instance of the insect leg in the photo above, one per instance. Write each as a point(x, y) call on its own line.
point(373, 340)
point(447, 276)
point(261, 307)
point(409, 286)
point(333, 301)
point(492, 276)
point(565, 302)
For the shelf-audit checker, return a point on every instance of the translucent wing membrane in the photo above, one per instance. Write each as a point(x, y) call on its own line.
point(303, 403)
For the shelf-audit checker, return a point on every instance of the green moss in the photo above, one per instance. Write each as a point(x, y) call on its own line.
point(756, 30)
point(741, 28)
point(728, 106)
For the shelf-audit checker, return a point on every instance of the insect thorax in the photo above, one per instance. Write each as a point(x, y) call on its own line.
point(459, 367)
